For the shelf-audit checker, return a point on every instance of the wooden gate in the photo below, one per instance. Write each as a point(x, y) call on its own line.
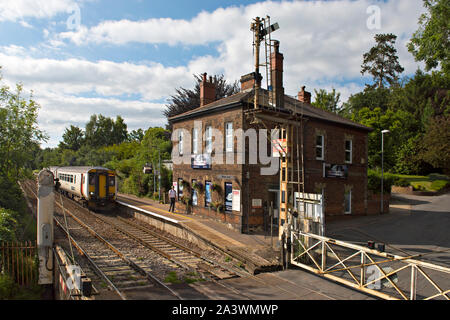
point(18, 260)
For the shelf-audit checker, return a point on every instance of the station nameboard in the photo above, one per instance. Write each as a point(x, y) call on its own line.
point(201, 161)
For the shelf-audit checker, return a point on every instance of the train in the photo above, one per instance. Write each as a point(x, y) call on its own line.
point(94, 187)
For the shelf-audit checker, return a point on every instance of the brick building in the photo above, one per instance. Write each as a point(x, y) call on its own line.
point(334, 153)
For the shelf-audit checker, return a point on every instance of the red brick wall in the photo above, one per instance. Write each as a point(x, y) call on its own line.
point(334, 153)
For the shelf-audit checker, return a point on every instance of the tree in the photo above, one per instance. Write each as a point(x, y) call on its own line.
point(18, 130)
point(436, 143)
point(73, 138)
point(186, 99)
point(327, 101)
point(431, 42)
point(104, 131)
point(136, 135)
point(382, 62)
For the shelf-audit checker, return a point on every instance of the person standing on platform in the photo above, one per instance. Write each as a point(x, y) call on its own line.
point(172, 197)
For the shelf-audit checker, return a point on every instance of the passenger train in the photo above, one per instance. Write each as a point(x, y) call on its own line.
point(95, 187)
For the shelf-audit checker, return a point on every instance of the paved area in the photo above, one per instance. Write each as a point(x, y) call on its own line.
point(282, 285)
point(414, 225)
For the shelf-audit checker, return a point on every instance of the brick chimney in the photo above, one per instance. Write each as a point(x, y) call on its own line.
point(249, 80)
point(276, 74)
point(207, 90)
point(304, 96)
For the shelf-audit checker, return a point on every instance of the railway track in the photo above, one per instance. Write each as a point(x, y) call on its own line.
point(177, 254)
point(109, 263)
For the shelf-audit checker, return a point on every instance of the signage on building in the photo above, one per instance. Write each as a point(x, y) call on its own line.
point(201, 161)
point(228, 196)
point(256, 203)
point(236, 206)
point(335, 170)
point(225, 177)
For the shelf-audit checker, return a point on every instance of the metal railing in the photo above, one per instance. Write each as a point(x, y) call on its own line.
point(378, 273)
point(18, 260)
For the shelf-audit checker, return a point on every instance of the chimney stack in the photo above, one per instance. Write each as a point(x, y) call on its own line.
point(249, 80)
point(304, 96)
point(207, 91)
point(276, 74)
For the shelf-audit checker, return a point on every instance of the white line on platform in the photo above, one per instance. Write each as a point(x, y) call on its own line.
point(148, 212)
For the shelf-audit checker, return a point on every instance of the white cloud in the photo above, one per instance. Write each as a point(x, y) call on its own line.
point(17, 10)
point(322, 42)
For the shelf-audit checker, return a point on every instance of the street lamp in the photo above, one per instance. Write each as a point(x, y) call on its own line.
point(382, 155)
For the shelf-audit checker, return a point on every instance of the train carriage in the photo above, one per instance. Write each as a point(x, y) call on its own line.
point(94, 186)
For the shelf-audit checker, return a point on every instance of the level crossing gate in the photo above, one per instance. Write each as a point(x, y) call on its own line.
point(378, 273)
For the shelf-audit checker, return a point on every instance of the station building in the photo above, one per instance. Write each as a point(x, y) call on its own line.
point(334, 154)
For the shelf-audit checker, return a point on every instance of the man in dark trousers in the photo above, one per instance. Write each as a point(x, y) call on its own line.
point(172, 197)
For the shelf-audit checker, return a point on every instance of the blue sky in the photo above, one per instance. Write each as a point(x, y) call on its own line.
point(126, 58)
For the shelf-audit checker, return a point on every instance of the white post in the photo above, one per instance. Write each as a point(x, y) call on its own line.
point(45, 226)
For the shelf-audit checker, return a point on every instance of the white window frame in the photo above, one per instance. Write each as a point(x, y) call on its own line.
point(229, 137)
point(348, 151)
point(322, 147)
point(208, 134)
point(349, 192)
point(195, 141)
point(180, 143)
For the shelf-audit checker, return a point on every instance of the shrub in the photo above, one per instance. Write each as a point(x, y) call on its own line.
point(401, 182)
point(439, 185)
point(374, 181)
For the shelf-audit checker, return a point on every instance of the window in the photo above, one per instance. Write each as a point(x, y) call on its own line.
point(194, 193)
point(180, 188)
point(208, 192)
point(208, 134)
point(180, 143)
point(319, 147)
point(194, 141)
point(229, 137)
point(348, 201)
point(348, 151)
point(112, 181)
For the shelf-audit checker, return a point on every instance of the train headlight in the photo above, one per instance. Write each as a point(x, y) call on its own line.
point(91, 193)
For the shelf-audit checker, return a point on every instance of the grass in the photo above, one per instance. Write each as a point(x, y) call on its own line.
point(432, 182)
point(190, 278)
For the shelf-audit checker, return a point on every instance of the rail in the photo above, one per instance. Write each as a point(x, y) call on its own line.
point(378, 273)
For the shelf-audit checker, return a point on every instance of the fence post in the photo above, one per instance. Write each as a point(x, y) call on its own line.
point(45, 231)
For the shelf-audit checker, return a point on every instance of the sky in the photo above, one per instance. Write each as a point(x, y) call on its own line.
point(117, 57)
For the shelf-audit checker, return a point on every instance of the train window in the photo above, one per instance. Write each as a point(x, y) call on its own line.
point(92, 179)
point(71, 179)
point(74, 179)
point(112, 181)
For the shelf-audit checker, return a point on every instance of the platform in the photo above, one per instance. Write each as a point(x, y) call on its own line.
point(254, 250)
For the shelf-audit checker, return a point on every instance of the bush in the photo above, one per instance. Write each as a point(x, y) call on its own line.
point(374, 181)
point(401, 182)
point(439, 185)
point(7, 287)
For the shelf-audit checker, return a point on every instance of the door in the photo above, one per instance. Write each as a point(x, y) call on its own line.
point(102, 185)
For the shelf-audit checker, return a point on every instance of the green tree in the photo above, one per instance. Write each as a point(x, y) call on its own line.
point(186, 99)
point(382, 62)
point(436, 143)
point(327, 101)
point(431, 42)
point(73, 138)
point(104, 131)
point(18, 130)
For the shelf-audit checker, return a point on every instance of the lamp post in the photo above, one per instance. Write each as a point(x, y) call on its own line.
point(382, 160)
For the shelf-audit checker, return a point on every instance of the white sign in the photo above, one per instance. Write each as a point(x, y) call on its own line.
point(236, 206)
point(256, 203)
